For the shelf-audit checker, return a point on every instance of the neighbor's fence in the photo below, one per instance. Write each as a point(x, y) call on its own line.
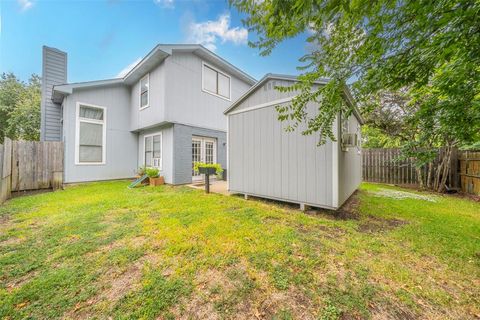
point(387, 166)
point(30, 165)
point(470, 171)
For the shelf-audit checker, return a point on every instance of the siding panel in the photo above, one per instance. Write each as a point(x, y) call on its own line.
point(54, 71)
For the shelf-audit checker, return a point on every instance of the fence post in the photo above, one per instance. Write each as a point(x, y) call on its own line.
point(5, 174)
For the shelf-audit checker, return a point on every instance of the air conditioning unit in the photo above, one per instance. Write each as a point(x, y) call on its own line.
point(349, 140)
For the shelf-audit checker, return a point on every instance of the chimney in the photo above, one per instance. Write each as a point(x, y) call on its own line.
point(54, 71)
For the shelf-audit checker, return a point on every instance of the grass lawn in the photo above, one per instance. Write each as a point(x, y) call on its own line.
point(101, 250)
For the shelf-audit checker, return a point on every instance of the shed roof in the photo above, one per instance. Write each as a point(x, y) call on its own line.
point(270, 76)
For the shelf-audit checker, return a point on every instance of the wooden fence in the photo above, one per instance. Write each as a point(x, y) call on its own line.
point(387, 166)
point(470, 171)
point(30, 165)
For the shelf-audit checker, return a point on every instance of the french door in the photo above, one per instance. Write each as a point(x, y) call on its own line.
point(203, 150)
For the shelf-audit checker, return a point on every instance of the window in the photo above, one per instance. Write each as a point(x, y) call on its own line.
point(153, 150)
point(90, 134)
point(215, 82)
point(144, 92)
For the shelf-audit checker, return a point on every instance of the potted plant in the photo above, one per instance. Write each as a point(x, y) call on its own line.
point(153, 176)
point(208, 168)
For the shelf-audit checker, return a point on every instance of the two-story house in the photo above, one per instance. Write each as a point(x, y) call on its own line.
point(167, 112)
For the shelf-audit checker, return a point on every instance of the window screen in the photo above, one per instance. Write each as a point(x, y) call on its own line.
point(91, 135)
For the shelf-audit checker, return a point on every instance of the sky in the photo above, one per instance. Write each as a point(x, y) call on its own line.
point(104, 38)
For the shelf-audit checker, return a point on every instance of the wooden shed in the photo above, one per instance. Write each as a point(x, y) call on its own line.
point(264, 160)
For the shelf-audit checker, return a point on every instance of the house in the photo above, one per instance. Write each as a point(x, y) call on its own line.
point(167, 112)
point(266, 161)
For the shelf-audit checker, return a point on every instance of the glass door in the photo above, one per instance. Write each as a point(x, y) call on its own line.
point(203, 150)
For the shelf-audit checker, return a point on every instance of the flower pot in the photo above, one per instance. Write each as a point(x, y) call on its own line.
point(157, 181)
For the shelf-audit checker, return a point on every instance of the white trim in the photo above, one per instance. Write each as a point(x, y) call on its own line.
point(140, 92)
point(218, 71)
point(77, 134)
point(158, 133)
point(263, 105)
point(228, 156)
point(335, 159)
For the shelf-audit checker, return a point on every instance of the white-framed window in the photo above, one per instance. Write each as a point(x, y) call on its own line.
point(152, 147)
point(90, 135)
point(145, 92)
point(216, 82)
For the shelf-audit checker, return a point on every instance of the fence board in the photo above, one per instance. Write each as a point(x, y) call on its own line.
point(470, 171)
point(30, 165)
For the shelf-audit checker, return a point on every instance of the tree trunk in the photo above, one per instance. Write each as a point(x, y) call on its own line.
point(420, 177)
point(429, 176)
point(446, 168)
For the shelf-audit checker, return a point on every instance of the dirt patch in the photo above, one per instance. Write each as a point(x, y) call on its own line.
point(348, 211)
point(16, 194)
point(13, 241)
point(297, 303)
point(395, 311)
point(210, 286)
point(376, 224)
point(20, 281)
point(117, 283)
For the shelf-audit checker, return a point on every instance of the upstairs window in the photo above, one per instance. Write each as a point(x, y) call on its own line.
point(144, 92)
point(90, 135)
point(215, 82)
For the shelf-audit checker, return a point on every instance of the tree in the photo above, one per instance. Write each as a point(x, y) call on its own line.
point(427, 50)
point(19, 108)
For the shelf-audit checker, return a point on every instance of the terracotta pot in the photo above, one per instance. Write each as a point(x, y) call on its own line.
point(157, 181)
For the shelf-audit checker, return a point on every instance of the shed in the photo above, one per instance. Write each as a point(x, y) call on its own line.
point(264, 160)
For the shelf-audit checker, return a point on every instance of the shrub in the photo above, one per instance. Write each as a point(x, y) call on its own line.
point(217, 166)
point(152, 172)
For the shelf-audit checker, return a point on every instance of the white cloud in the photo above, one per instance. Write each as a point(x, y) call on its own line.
point(25, 4)
point(207, 33)
point(169, 4)
point(125, 70)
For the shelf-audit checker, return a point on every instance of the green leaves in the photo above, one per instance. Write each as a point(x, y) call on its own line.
point(19, 108)
point(431, 49)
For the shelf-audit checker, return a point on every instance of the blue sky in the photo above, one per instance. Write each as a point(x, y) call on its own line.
point(104, 37)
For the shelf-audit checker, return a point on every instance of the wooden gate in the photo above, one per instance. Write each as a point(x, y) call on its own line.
point(30, 165)
point(470, 171)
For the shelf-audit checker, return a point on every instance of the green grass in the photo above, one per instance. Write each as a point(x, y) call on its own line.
point(101, 250)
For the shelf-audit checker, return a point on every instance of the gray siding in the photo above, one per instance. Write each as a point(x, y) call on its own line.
point(182, 150)
point(54, 71)
point(186, 102)
point(349, 165)
point(155, 113)
point(266, 93)
point(267, 161)
point(167, 150)
point(121, 144)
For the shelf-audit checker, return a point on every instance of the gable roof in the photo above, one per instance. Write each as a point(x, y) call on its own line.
point(322, 81)
point(152, 59)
